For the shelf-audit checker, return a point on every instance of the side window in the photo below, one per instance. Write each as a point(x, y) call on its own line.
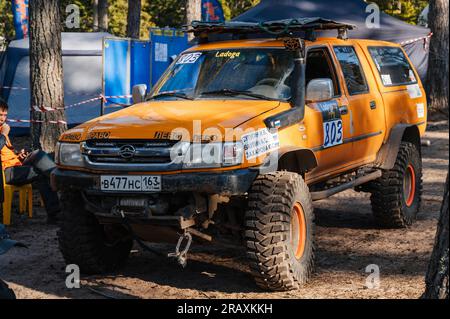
point(393, 66)
point(351, 67)
point(319, 66)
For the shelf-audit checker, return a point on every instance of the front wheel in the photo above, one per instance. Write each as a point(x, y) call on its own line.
point(280, 231)
point(95, 248)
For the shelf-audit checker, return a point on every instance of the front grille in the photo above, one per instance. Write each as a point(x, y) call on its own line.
point(136, 151)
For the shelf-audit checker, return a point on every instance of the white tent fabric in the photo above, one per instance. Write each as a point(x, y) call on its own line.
point(82, 66)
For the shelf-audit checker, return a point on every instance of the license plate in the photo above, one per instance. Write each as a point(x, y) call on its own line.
point(144, 183)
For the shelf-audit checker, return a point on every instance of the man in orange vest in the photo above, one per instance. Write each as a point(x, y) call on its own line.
point(22, 168)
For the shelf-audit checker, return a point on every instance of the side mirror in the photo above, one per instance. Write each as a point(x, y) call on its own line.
point(139, 93)
point(319, 90)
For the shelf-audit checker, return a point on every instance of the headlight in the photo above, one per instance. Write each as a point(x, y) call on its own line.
point(68, 154)
point(213, 155)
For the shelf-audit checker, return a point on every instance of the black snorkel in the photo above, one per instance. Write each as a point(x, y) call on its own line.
point(297, 113)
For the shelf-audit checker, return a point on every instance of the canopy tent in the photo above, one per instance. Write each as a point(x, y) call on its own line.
point(82, 66)
point(356, 12)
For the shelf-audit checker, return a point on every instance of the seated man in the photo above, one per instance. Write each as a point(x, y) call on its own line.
point(23, 168)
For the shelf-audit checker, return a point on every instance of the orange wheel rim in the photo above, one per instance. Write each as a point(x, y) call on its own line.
point(298, 230)
point(409, 185)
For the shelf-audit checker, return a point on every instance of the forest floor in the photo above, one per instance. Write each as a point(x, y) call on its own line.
point(347, 239)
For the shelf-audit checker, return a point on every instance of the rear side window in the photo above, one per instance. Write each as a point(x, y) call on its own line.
point(351, 67)
point(393, 66)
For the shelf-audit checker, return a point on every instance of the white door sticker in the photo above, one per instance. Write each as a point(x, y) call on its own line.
point(414, 91)
point(333, 133)
point(420, 110)
point(259, 143)
point(189, 58)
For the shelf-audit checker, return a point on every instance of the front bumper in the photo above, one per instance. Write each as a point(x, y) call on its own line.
point(227, 183)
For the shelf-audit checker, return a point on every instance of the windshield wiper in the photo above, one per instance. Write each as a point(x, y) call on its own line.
point(230, 92)
point(172, 94)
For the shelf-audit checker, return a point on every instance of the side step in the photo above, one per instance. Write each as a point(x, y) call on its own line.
point(359, 181)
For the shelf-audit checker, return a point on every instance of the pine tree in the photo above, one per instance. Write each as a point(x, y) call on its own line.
point(46, 74)
point(134, 18)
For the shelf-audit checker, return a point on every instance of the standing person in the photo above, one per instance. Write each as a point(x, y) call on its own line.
point(22, 168)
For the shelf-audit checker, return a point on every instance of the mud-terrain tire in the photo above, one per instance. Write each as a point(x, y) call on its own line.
point(5, 292)
point(279, 231)
point(84, 242)
point(396, 195)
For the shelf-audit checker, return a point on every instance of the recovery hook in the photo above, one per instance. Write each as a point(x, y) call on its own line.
point(181, 256)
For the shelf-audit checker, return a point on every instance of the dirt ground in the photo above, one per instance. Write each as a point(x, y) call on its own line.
point(347, 241)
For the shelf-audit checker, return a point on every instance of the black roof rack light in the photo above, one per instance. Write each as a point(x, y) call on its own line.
point(279, 28)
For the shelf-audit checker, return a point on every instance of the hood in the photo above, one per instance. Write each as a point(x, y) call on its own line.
point(159, 119)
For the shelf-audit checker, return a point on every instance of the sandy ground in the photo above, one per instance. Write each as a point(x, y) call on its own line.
point(347, 242)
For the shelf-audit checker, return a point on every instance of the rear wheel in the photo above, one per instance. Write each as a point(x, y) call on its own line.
point(280, 231)
point(95, 248)
point(396, 196)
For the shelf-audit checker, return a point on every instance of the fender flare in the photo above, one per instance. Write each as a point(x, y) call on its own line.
point(290, 158)
point(387, 155)
point(296, 159)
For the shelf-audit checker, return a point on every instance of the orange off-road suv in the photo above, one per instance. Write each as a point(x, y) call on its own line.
point(237, 140)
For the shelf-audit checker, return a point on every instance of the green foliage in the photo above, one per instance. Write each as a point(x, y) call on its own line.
point(6, 20)
point(118, 10)
point(167, 12)
point(86, 19)
point(406, 10)
point(171, 13)
point(233, 8)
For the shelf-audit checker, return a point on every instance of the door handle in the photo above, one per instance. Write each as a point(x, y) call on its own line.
point(343, 109)
point(373, 105)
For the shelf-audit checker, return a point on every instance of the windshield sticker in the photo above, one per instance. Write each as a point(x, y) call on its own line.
point(259, 143)
point(386, 79)
point(189, 58)
point(414, 91)
point(420, 110)
point(228, 54)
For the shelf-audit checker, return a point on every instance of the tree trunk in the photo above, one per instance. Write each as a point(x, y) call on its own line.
point(437, 275)
point(95, 15)
point(193, 13)
point(437, 81)
point(46, 74)
point(103, 22)
point(134, 19)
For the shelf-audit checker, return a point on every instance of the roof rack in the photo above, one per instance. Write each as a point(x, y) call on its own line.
point(279, 28)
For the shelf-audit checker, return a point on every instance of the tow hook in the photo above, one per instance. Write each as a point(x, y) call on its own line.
point(181, 256)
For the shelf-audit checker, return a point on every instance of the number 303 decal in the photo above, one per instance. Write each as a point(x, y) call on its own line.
point(333, 133)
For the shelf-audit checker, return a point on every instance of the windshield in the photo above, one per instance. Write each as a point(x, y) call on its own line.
point(243, 73)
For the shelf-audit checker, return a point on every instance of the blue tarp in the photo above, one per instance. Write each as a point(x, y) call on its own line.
point(166, 45)
point(126, 62)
